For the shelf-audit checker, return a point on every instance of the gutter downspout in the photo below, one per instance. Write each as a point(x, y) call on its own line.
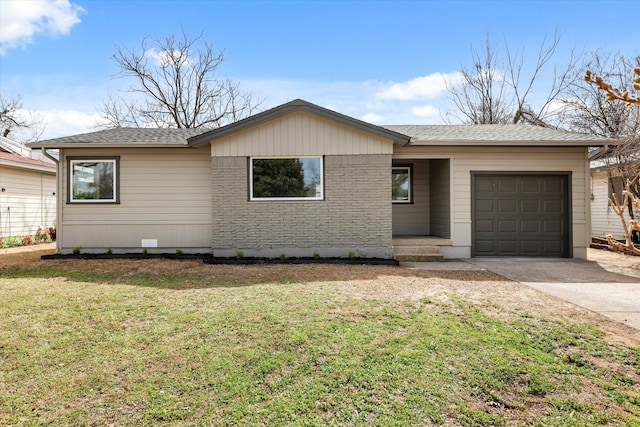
point(58, 196)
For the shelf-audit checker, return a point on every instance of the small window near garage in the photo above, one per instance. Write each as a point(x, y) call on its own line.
point(286, 178)
point(93, 180)
point(401, 184)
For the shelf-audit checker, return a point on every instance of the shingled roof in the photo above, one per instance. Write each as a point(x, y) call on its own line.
point(10, 159)
point(126, 136)
point(498, 134)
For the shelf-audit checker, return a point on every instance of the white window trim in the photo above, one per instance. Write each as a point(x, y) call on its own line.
point(409, 181)
point(116, 189)
point(287, 199)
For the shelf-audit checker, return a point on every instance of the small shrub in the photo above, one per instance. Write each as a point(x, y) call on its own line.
point(145, 251)
point(11, 241)
point(76, 250)
point(352, 255)
point(109, 251)
point(26, 240)
point(316, 255)
point(283, 256)
point(178, 251)
point(239, 254)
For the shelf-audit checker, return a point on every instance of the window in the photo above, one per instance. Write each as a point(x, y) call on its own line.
point(401, 184)
point(93, 180)
point(286, 178)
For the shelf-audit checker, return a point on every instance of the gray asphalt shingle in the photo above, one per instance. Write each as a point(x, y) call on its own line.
point(502, 132)
point(130, 136)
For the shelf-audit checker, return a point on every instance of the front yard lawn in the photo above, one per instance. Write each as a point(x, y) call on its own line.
point(184, 343)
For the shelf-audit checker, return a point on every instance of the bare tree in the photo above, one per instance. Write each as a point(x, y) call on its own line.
point(590, 110)
point(24, 125)
point(175, 87)
point(498, 89)
point(601, 111)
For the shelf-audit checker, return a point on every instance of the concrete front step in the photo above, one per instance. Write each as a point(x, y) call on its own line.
point(417, 253)
point(418, 257)
point(416, 250)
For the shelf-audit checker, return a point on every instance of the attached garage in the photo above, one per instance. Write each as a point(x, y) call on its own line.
point(525, 215)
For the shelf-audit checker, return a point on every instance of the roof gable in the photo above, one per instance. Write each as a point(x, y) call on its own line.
point(299, 105)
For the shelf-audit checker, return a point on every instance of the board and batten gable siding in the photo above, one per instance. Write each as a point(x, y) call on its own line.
point(355, 215)
point(27, 202)
point(300, 134)
point(464, 160)
point(164, 195)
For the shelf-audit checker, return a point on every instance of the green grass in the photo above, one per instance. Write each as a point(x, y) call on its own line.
point(138, 347)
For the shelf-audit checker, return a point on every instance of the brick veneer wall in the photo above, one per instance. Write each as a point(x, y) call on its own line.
point(355, 214)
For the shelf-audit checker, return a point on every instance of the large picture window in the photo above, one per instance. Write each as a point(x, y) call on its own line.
point(401, 184)
point(93, 180)
point(286, 178)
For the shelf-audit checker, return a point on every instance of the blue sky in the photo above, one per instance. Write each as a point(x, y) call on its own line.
point(381, 61)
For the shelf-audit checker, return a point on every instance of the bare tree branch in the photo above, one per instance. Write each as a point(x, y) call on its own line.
point(496, 90)
point(176, 86)
point(25, 126)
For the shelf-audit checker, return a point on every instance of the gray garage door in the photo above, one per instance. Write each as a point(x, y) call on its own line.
point(520, 215)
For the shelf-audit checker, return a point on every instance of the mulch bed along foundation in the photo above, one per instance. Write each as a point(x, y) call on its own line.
point(207, 258)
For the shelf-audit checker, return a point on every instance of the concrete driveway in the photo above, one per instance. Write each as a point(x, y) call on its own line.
point(607, 283)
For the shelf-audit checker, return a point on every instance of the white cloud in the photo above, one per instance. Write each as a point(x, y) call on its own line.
point(429, 86)
point(372, 118)
point(22, 20)
point(67, 122)
point(425, 111)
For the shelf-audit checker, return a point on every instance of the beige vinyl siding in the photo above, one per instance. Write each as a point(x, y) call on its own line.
point(28, 201)
point(603, 220)
point(300, 134)
point(413, 218)
point(515, 159)
point(440, 198)
point(165, 195)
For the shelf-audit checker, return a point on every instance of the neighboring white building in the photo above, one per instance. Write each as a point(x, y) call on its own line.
point(27, 190)
point(603, 185)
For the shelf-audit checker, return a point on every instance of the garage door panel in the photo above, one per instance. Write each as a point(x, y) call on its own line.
point(553, 206)
point(507, 247)
point(507, 226)
point(484, 226)
point(507, 185)
point(530, 226)
point(551, 226)
point(530, 185)
point(507, 206)
point(485, 247)
point(521, 215)
point(483, 205)
point(529, 247)
point(485, 184)
point(530, 206)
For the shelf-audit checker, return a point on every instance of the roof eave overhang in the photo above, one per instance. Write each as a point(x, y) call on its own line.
point(512, 143)
point(108, 145)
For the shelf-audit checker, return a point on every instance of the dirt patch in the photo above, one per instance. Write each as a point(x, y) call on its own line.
point(493, 293)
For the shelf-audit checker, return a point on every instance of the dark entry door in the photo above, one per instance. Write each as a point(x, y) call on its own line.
point(520, 215)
